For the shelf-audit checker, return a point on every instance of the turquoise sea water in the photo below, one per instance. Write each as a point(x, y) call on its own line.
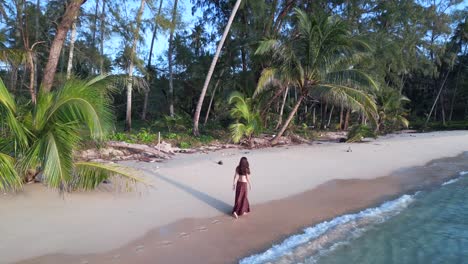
point(429, 226)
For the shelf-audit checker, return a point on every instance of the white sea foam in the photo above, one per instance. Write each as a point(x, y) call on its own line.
point(331, 231)
point(461, 173)
point(450, 181)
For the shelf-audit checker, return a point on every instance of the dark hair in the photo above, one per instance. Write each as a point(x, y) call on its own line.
point(243, 168)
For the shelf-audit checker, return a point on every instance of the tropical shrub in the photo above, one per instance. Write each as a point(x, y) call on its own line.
point(392, 113)
point(359, 132)
point(247, 120)
point(44, 136)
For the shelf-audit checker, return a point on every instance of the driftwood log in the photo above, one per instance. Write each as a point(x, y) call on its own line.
point(140, 148)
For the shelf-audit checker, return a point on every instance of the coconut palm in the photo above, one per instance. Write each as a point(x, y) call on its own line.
point(319, 60)
point(392, 114)
point(45, 136)
point(247, 119)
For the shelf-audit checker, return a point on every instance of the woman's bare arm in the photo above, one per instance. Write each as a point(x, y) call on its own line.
point(234, 181)
point(248, 181)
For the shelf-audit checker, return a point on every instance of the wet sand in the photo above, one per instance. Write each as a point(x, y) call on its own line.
point(184, 219)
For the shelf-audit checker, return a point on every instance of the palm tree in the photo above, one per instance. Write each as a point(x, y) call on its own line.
point(45, 136)
point(319, 60)
point(247, 119)
point(136, 29)
point(392, 114)
point(196, 117)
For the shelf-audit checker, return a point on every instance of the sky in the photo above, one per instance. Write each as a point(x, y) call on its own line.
point(114, 44)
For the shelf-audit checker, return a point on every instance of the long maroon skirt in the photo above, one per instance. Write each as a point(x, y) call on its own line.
point(241, 203)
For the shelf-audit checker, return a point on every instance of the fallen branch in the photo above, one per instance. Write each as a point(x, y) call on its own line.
point(139, 148)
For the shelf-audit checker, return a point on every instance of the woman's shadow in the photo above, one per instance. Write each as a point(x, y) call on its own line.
point(211, 201)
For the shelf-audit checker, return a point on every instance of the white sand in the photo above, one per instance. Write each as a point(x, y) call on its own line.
point(39, 221)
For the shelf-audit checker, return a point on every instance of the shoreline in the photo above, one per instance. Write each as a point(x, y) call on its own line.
point(251, 234)
point(202, 200)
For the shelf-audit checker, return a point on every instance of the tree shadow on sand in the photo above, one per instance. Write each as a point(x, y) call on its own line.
point(210, 200)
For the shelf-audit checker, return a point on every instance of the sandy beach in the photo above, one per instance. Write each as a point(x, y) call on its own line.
point(185, 216)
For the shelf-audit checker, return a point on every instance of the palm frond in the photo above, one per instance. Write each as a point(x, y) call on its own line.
point(353, 98)
point(9, 178)
point(266, 46)
point(266, 78)
point(237, 131)
point(57, 150)
point(88, 175)
point(9, 119)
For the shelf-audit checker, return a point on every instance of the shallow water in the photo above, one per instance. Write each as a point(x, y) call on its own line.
point(430, 226)
point(433, 229)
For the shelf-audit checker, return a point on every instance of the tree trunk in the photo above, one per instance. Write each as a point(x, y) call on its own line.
point(136, 29)
point(169, 55)
point(346, 124)
point(71, 12)
point(280, 119)
point(34, 83)
point(94, 28)
point(103, 28)
point(211, 100)
point(211, 70)
point(72, 47)
point(330, 116)
point(436, 99)
point(452, 101)
point(154, 34)
point(341, 116)
point(313, 117)
point(290, 117)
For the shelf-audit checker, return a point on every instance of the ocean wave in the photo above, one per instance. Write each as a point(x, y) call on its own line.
point(329, 234)
point(461, 173)
point(450, 181)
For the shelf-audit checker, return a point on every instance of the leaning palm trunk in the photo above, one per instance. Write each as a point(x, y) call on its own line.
point(286, 123)
point(330, 116)
point(211, 101)
point(67, 19)
point(436, 99)
point(211, 70)
point(280, 119)
point(128, 119)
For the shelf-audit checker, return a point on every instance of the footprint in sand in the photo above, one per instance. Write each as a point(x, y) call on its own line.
point(165, 243)
point(140, 248)
point(116, 258)
point(216, 221)
point(183, 235)
point(202, 228)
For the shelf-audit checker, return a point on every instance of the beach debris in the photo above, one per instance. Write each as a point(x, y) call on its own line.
point(183, 235)
point(139, 148)
point(216, 221)
point(165, 243)
point(202, 228)
point(220, 162)
point(349, 149)
point(139, 248)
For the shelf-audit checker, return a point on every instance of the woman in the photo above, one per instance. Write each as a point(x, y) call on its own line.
point(241, 180)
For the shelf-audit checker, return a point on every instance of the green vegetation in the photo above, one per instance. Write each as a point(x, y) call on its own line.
point(46, 134)
point(285, 67)
point(359, 132)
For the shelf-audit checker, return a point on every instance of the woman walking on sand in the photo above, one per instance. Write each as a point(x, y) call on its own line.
point(241, 180)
